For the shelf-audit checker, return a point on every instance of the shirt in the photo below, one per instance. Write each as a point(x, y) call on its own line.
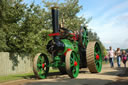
point(111, 53)
point(118, 53)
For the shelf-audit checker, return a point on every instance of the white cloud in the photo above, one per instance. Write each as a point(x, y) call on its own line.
point(114, 32)
point(115, 9)
point(125, 44)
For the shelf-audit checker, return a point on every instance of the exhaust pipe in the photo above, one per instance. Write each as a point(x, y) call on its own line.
point(58, 45)
point(55, 23)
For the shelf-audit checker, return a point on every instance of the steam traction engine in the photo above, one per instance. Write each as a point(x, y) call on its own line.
point(70, 52)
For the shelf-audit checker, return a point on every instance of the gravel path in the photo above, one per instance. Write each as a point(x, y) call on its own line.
point(108, 76)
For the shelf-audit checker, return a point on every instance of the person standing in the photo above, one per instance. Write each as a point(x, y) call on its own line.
point(124, 58)
point(105, 58)
point(111, 56)
point(118, 54)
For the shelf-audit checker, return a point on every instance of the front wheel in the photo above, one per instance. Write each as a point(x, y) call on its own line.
point(72, 64)
point(41, 66)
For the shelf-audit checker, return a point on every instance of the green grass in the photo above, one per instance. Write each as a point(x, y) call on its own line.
point(21, 76)
point(14, 77)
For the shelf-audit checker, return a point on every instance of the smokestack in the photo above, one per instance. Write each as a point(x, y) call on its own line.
point(55, 22)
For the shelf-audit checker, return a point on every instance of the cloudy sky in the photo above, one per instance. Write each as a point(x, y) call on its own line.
point(109, 20)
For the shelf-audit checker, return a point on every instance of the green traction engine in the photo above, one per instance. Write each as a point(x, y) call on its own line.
point(69, 51)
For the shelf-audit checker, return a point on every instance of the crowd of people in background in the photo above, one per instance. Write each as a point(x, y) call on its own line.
point(120, 56)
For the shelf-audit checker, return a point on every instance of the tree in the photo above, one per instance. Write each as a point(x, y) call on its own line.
point(127, 50)
point(10, 14)
point(93, 36)
point(68, 11)
point(22, 25)
point(21, 29)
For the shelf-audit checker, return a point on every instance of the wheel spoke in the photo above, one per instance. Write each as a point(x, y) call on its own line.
point(44, 71)
point(74, 69)
point(40, 71)
point(97, 61)
point(71, 65)
point(39, 65)
point(98, 52)
point(76, 59)
point(71, 59)
point(95, 53)
point(83, 41)
point(98, 64)
point(73, 56)
point(40, 58)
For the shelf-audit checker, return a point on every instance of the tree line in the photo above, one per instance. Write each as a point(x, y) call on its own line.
point(23, 27)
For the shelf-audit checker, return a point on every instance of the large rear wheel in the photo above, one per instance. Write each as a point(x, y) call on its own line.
point(94, 57)
point(72, 64)
point(41, 66)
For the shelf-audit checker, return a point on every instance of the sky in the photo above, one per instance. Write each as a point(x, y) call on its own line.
point(109, 20)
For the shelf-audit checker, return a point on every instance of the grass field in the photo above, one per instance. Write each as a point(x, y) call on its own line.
point(21, 76)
